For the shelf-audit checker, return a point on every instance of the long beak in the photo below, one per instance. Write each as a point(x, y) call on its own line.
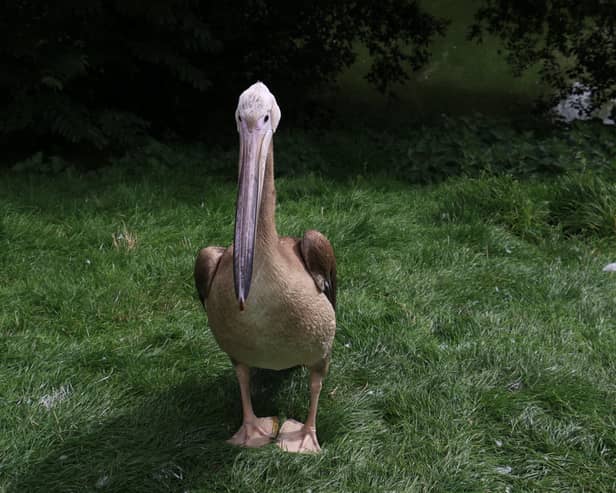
point(254, 147)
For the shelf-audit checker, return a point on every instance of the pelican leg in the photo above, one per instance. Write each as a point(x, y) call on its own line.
point(254, 432)
point(302, 437)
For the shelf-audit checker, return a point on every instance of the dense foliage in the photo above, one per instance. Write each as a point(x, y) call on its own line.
point(571, 41)
point(100, 72)
point(105, 73)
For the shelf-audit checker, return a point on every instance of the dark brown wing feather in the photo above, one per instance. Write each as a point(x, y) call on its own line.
point(206, 266)
point(320, 261)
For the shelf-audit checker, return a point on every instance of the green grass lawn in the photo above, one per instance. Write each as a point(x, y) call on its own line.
point(475, 348)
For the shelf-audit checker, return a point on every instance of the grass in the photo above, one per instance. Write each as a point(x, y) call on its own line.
point(474, 352)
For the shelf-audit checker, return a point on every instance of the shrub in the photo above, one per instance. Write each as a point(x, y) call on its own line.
point(476, 145)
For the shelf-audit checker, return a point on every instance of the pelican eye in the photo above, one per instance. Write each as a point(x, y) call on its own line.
point(239, 117)
point(266, 118)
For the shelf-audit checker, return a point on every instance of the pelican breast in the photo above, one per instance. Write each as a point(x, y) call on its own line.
point(287, 320)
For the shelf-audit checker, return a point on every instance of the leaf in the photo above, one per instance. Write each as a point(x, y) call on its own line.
point(52, 82)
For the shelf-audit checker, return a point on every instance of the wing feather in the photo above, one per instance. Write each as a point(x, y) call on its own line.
point(206, 266)
point(320, 262)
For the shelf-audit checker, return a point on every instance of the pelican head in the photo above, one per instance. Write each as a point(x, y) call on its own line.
point(257, 118)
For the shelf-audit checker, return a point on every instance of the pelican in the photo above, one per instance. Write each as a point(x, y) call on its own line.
point(270, 300)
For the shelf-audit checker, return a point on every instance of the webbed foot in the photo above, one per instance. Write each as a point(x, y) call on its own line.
point(256, 433)
point(297, 437)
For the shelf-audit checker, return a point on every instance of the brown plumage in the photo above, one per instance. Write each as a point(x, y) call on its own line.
point(205, 269)
point(320, 261)
point(270, 300)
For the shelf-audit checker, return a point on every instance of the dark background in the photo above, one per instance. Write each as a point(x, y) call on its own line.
point(94, 74)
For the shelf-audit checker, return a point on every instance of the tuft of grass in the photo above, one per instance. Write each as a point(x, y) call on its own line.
point(585, 204)
point(522, 207)
point(581, 204)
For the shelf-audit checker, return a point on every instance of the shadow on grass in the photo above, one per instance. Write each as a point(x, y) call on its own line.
point(174, 441)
